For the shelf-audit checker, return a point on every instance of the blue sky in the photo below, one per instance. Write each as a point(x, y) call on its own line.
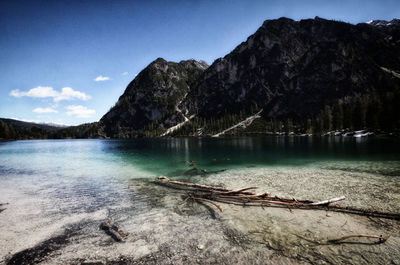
point(68, 61)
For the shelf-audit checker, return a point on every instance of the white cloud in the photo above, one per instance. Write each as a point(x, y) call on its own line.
point(101, 78)
point(45, 110)
point(66, 93)
point(125, 73)
point(37, 92)
point(80, 111)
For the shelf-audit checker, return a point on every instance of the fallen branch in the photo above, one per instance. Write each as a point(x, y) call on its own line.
point(381, 238)
point(209, 201)
point(213, 194)
point(113, 230)
point(237, 191)
point(196, 170)
point(193, 169)
point(165, 179)
point(326, 202)
point(1, 210)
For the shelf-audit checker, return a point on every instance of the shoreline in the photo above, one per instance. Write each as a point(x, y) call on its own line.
point(163, 229)
point(380, 136)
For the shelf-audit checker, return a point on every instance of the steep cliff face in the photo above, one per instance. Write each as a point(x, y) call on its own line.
point(289, 69)
point(151, 100)
point(293, 68)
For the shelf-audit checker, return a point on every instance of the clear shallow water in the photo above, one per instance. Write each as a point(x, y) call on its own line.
point(148, 157)
point(57, 185)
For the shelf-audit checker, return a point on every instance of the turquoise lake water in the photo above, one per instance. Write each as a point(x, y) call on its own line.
point(151, 157)
point(52, 184)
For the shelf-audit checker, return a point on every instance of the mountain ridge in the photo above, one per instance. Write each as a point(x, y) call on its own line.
point(271, 33)
point(292, 70)
point(311, 75)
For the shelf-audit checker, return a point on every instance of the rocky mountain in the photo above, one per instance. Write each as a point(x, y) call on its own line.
point(288, 69)
point(151, 101)
point(293, 68)
point(383, 23)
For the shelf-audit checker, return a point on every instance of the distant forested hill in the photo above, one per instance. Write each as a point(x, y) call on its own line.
point(11, 129)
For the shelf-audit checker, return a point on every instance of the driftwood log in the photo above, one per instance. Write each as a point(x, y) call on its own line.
point(243, 197)
point(381, 238)
point(113, 230)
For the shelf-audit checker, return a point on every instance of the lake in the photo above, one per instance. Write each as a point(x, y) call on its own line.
point(57, 192)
